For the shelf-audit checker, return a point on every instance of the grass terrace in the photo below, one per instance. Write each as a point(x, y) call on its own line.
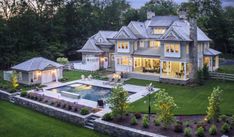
point(190, 100)
point(17, 121)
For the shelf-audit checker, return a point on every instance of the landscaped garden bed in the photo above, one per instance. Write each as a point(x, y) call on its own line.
point(69, 106)
point(181, 124)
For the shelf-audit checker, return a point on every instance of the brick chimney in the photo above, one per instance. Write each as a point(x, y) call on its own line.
point(150, 15)
point(194, 45)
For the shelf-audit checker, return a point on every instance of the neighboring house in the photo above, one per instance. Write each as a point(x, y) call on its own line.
point(97, 53)
point(163, 48)
point(38, 70)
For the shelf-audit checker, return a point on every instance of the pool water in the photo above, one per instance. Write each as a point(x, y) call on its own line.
point(93, 93)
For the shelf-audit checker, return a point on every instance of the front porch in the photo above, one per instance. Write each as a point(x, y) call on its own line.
point(212, 62)
point(146, 65)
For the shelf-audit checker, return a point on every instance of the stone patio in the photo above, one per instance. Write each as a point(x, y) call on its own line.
point(139, 92)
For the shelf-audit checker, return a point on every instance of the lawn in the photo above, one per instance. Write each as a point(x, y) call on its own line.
point(16, 121)
point(76, 74)
point(226, 69)
point(190, 100)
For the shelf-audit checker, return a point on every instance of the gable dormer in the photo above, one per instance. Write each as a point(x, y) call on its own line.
point(125, 34)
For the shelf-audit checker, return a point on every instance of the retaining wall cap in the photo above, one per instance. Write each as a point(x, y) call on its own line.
point(128, 128)
point(58, 109)
point(5, 92)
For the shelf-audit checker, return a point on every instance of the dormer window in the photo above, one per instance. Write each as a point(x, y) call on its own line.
point(159, 31)
point(100, 40)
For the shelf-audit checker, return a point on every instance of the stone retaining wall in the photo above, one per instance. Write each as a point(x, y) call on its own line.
point(51, 111)
point(4, 95)
point(120, 131)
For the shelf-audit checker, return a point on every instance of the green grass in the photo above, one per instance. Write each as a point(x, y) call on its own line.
point(226, 69)
point(16, 121)
point(190, 100)
point(75, 75)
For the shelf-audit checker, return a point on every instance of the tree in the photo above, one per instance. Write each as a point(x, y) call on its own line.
point(62, 60)
point(118, 101)
point(165, 106)
point(213, 109)
point(14, 81)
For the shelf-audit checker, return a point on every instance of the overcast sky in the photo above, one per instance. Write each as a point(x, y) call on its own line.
point(139, 3)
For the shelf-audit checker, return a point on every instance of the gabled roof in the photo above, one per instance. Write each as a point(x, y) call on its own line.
point(182, 29)
point(90, 47)
point(162, 21)
point(37, 63)
point(211, 52)
point(125, 33)
point(138, 28)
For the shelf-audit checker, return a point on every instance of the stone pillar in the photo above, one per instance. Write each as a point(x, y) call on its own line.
point(194, 45)
point(185, 70)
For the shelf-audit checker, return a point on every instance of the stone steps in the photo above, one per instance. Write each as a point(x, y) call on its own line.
point(90, 121)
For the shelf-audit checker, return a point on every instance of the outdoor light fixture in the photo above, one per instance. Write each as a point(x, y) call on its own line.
point(150, 89)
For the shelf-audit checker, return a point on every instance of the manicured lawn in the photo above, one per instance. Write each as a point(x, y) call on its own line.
point(75, 75)
point(190, 100)
point(226, 69)
point(16, 121)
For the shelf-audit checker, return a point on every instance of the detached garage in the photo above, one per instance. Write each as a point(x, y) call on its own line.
point(38, 70)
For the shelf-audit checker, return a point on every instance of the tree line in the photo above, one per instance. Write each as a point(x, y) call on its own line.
point(56, 28)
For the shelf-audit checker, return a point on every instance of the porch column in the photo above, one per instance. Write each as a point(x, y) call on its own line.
point(211, 63)
point(185, 70)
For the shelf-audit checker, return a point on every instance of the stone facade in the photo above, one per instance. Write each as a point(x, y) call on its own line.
point(4, 95)
point(120, 131)
point(51, 111)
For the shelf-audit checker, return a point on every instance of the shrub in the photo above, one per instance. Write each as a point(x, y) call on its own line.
point(187, 132)
point(133, 120)
point(186, 123)
point(23, 94)
point(205, 71)
point(137, 115)
point(200, 77)
point(84, 111)
point(225, 128)
point(200, 132)
point(145, 121)
point(178, 127)
point(223, 118)
point(157, 122)
point(107, 117)
point(201, 124)
point(213, 130)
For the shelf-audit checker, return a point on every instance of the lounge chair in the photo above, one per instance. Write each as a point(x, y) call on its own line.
point(90, 77)
point(82, 77)
point(100, 103)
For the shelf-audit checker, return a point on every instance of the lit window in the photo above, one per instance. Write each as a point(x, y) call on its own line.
point(123, 61)
point(159, 31)
point(154, 44)
point(187, 49)
point(172, 48)
point(122, 45)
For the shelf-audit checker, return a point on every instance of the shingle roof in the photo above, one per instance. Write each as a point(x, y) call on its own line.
point(148, 52)
point(182, 29)
point(211, 52)
point(90, 47)
point(37, 63)
point(125, 33)
point(162, 21)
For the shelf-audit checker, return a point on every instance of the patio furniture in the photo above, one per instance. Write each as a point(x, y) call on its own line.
point(82, 77)
point(100, 103)
point(90, 77)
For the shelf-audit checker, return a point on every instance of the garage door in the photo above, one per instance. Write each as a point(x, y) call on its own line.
point(46, 77)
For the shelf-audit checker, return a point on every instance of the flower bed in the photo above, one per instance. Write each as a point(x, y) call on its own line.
point(73, 107)
point(189, 125)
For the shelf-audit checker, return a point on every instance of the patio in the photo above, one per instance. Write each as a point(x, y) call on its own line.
point(139, 92)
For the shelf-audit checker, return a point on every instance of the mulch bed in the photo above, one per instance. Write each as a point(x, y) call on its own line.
point(69, 106)
point(193, 124)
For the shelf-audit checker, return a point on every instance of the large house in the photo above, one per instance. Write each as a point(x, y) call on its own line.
point(162, 48)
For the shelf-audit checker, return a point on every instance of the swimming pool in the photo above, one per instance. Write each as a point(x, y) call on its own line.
point(89, 92)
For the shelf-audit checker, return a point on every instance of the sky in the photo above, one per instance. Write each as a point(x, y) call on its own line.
point(138, 3)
